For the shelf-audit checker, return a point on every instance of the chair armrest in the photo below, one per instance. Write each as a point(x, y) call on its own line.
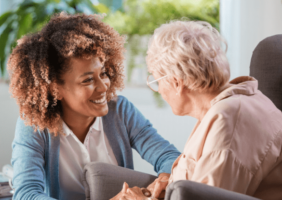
point(103, 181)
point(182, 190)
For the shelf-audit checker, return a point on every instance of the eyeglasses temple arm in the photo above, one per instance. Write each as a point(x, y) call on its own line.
point(157, 79)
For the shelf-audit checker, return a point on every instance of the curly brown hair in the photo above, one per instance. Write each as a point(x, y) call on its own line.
point(42, 58)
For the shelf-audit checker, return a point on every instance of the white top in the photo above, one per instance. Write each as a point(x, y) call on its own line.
point(74, 156)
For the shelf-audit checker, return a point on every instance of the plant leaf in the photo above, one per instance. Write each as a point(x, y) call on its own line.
point(24, 25)
point(5, 16)
point(26, 3)
point(2, 66)
point(56, 1)
point(101, 8)
point(3, 41)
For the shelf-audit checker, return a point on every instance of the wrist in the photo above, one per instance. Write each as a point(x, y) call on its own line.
point(164, 175)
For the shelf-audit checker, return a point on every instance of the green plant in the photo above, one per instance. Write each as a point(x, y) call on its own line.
point(30, 15)
point(143, 17)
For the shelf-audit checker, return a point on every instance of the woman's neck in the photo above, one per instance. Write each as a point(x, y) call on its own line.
point(78, 124)
point(200, 105)
point(202, 102)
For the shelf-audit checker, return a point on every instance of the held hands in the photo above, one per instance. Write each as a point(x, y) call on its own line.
point(154, 190)
point(127, 193)
point(157, 188)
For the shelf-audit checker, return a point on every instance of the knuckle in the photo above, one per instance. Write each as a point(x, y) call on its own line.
point(158, 183)
point(150, 187)
point(129, 189)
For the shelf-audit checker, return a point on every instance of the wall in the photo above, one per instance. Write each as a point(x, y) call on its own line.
point(8, 111)
point(244, 23)
point(8, 117)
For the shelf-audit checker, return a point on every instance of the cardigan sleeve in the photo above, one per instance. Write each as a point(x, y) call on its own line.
point(146, 141)
point(28, 163)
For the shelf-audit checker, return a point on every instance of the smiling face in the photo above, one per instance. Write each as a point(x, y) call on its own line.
point(84, 90)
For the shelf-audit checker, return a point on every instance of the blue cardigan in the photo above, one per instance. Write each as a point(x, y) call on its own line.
point(35, 156)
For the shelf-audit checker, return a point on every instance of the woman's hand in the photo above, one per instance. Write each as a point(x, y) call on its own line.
point(127, 193)
point(157, 188)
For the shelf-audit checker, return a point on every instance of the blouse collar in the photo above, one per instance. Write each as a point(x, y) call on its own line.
point(245, 85)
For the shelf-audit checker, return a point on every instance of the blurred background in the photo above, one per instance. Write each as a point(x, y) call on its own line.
point(243, 23)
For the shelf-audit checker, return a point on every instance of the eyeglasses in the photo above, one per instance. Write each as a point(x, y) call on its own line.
point(153, 83)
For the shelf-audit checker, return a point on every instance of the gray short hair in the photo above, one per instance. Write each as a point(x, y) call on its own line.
point(190, 50)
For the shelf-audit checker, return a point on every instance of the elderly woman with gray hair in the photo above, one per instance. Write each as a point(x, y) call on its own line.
point(236, 143)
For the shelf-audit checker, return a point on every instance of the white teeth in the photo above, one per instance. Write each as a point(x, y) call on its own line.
point(99, 101)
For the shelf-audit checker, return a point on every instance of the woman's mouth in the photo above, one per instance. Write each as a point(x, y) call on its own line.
point(100, 101)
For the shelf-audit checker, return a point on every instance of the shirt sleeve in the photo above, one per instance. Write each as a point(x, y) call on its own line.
point(147, 142)
point(28, 163)
point(222, 169)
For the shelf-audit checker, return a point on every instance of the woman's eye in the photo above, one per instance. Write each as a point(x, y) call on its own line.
point(87, 80)
point(104, 74)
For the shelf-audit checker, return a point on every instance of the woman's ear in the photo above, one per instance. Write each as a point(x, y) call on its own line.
point(178, 85)
point(55, 91)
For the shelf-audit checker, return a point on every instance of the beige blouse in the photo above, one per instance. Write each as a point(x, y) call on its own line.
point(237, 145)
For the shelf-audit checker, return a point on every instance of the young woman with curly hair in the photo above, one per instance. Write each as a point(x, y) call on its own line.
point(65, 79)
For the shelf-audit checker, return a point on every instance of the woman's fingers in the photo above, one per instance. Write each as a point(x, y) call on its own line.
point(155, 189)
point(135, 194)
point(160, 186)
point(120, 195)
point(127, 193)
point(146, 192)
point(152, 186)
point(124, 187)
point(126, 197)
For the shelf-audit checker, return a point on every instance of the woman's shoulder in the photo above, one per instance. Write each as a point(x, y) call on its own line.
point(239, 123)
point(119, 105)
point(226, 112)
point(226, 107)
point(118, 100)
point(219, 124)
point(28, 134)
point(122, 110)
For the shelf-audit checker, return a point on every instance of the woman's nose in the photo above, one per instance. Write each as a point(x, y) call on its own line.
point(102, 85)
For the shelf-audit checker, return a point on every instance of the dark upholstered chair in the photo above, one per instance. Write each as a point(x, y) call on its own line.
point(103, 181)
point(266, 67)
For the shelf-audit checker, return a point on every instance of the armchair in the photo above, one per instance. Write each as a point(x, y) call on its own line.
point(103, 181)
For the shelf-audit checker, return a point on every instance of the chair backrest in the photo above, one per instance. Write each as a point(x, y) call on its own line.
point(266, 67)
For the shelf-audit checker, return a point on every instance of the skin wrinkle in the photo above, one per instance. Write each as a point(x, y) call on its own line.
point(40, 59)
